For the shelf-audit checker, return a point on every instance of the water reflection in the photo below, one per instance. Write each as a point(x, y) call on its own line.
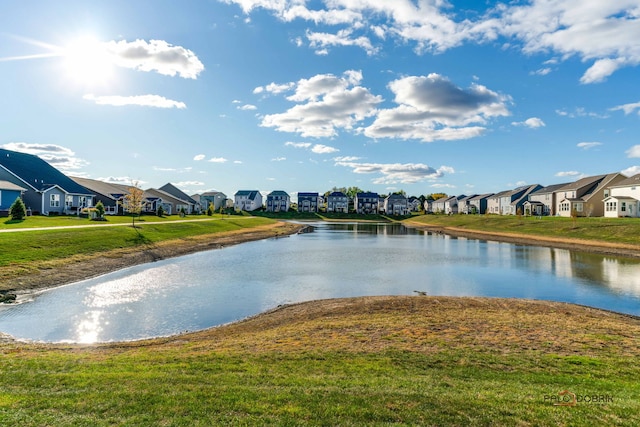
point(336, 260)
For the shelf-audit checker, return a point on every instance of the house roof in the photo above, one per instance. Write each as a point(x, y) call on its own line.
point(593, 184)
point(467, 198)
point(106, 189)
point(38, 174)
point(550, 188)
point(176, 192)
point(211, 194)
point(396, 197)
point(500, 194)
point(307, 195)
point(444, 199)
point(583, 182)
point(631, 181)
point(278, 193)
point(251, 194)
point(367, 195)
point(152, 193)
point(337, 194)
point(6, 185)
point(481, 196)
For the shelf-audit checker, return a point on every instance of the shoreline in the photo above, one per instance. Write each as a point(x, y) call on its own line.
point(78, 268)
point(591, 246)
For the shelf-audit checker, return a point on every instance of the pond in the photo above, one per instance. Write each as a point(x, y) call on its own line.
point(215, 287)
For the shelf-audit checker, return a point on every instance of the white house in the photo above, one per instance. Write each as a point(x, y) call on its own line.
point(247, 200)
point(623, 198)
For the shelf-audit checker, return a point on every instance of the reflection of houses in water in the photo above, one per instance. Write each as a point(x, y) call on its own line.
point(621, 275)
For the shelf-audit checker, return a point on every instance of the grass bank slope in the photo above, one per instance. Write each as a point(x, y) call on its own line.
point(362, 361)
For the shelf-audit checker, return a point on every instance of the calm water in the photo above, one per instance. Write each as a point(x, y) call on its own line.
point(336, 260)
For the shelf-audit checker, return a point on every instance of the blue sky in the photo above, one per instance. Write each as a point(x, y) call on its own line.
point(425, 96)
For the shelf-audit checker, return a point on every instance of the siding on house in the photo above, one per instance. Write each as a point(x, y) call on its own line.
point(585, 196)
point(623, 198)
point(307, 202)
point(337, 201)
point(396, 204)
point(366, 203)
point(278, 201)
point(247, 200)
point(9, 192)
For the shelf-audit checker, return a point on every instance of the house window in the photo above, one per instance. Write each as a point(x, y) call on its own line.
point(578, 207)
point(68, 201)
point(54, 201)
point(606, 193)
point(623, 206)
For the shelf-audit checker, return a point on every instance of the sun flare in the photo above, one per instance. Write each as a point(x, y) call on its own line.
point(87, 62)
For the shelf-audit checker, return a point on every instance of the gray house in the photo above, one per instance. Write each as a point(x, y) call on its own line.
point(396, 204)
point(48, 191)
point(111, 195)
point(478, 204)
point(542, 201)
point(278, 201)
point(464, 204)
point(338, 202)
point(307, 202)
point(217, 198)
point(366, 203)
point(194, 206)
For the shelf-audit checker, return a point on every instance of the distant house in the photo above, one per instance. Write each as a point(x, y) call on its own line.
point(428, 205)
point(9, 192)
point(247, 200)
point(493, 202)
point(512, 202)
point(542, 201)
point(366, 203)
point(585, 196)
point(396, 204)
point(217, 198)
point(447, 205)
point(464, 204)
point(438, 206)
point(278, 201)
point(338, 202)
point(47, 189)
point(623, 198)
point(414, 204)
point(171, 205)
point(194, 206)
point(307, 202)
point(478, 204)
point(111, 195)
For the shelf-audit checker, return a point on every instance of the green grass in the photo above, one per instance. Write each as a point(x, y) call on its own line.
point(613, 230)
point(213, 379)
point(59, 221)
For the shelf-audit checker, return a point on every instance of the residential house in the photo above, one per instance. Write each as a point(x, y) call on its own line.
point(414, 204)
point(464, 205)
point(337, 201)
point(366, 203)
point(585, 196)
point(111, 195)
point(247, 200)
point(428, 205)
point(511, 202)
point(396, 204)
point(217, 198)
point(478, 204)
point(447, 205)
point(193, 205)
point(623, 198)
point(48, 191)
point(9, 192)
point(542, 202)
point(307, 202)
point(278, 201)
point(493, 202)
point(171, 205)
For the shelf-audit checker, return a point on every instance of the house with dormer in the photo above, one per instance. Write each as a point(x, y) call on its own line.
point(396, 204)
point(247, 200)
point(48, 191)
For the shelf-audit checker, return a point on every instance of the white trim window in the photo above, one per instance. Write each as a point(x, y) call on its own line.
point(68, 201)
point(54, 200)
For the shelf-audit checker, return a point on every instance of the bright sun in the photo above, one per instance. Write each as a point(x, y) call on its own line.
point(87, 62)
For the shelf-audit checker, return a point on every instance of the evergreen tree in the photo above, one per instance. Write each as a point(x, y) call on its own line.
point(18, 211)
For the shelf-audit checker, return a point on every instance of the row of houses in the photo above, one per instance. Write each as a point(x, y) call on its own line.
point(608, 195)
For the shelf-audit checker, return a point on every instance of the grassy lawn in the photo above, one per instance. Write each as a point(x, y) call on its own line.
point(398, 361)
point(614, 230)
point(60, 221)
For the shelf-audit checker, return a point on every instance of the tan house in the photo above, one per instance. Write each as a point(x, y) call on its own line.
point(586, 195)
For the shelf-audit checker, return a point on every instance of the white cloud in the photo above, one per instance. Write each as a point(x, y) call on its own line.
point(323, 149)
point(155, 55)
point(278, 159)
point(218, 160)
point(346, 158)
point(185, 184)
point(588, 145)
point(327, 103)
point(533, 123)
point(631, 171)
point(542, 71)
point(568, 173)
point(394, 173)
point(237, 162)
point(248, 107)
point(298, 144)
point(122, 180)
point(633, 152)
point(627, 108)
point(433, 108)
point(141, 100)
point(580, 112)
point(199, 157)
point(61, 158)
point(602, 33)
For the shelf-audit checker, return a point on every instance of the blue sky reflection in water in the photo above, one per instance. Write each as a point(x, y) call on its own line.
point(337, 260)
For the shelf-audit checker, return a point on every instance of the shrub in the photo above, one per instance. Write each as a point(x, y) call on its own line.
point(160, 211)
point(18, 211)
point(99, 210)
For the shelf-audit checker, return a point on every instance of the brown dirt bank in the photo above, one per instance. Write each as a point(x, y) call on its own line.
point(604, 248)
point(80, 267)
point(425, 324)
